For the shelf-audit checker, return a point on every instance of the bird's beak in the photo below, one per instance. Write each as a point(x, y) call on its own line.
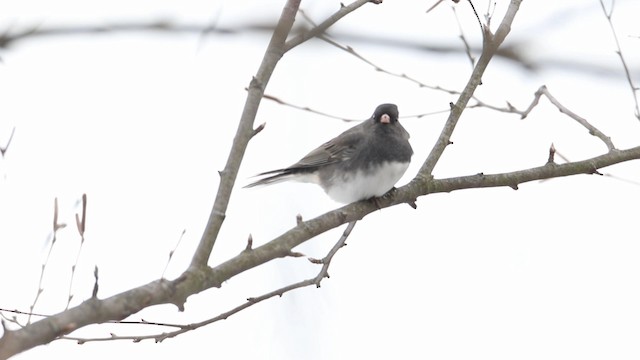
point(385, 119)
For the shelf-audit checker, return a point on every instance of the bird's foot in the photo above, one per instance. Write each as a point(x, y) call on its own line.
point(376, 199)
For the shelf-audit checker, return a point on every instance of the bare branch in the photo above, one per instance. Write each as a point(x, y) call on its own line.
point(323, 26)
point(198, 276)
point(352, 51)
point(249, 243)
point(467, 48)
point(552, 154)
point(627, 73)
point(582, 121)
point(257, 130)
point(166, 266)
point(316, 280)
point(3, 149)
point(94, 293)
point(490, 45)
point(306, 108)
point(510, 52)
point(56, 227)
point(81, 223)
point(277, 47)
point(274, 52)
point(198, 279)
point(331, 116)
point(326, 261)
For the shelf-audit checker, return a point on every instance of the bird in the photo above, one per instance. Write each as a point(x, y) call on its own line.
point(364, 162)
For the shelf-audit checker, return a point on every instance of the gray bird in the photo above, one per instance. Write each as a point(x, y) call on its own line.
point(363, 162)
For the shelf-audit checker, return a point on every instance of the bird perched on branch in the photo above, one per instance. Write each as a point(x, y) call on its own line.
point(363, 162)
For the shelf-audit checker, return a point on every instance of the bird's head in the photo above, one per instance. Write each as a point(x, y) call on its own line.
point(386, 114)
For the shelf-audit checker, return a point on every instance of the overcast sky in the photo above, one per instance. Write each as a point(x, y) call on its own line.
point(142, 121)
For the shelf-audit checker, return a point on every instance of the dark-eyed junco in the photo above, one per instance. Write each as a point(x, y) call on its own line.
point(363, 162)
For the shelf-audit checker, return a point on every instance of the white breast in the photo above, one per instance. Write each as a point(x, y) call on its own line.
point(364, 185)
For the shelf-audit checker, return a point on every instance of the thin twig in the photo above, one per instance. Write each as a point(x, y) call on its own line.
point(325, 261)
point(316, 280)
point(56, 227)
point(198, 277)
point(306, 108)
point(123, 322)
point(634, 89)
point(244, 133)
point(434, 6)
point(491, 42)
point(166, 266)
point(277, 47)
point(352, 51)
point(331, 116)
point(467, 48)
point(323, 26)
point(81, 223)
point(582, 121)
point(3, 149)
point(478, 16)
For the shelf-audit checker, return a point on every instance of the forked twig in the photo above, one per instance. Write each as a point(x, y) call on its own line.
point(81, 223)
point(627, 73)
point(172, 252)
point(56, 226)
point(582, 121)
point(3, 149)
point(316, 280)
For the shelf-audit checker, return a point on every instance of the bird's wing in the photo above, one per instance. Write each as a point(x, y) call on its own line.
point(339, 149)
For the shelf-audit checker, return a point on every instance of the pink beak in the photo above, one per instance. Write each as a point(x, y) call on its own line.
point(385, 119)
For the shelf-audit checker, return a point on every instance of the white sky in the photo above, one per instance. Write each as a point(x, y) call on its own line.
point(142, 122)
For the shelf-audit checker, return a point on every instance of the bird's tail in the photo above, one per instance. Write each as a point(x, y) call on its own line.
point(276, 177)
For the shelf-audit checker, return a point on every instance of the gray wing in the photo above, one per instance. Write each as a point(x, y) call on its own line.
point(336, 150)
point(340, 149)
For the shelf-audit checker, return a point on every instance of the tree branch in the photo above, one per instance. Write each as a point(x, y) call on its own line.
point(625, 67)
point(198, 277)
point(272, 55)
point(490, 45)
point(323, 26)
point(316, 280)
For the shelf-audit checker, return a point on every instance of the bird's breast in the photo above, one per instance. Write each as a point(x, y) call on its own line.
point(365, 184)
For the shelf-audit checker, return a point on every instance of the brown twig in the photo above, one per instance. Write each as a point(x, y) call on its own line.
point(467, 48)
point(582, 121)
point(81, 223)
point(634, 89)
point(306, 108)
point(331, 116)
point(353, 52)
point(491, 42)
point(201, 277)
point(198, 277)
point(273, 53)
point(552, 154)
point(56, 226)
point(3, 149)
point(160, 291)
point(277, 47)
point(316, 280)
point(94, 292)
point(122, 322)
point(166, 266)
point(323, 26)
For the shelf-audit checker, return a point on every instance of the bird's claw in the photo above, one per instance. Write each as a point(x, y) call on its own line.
point(376, 199)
